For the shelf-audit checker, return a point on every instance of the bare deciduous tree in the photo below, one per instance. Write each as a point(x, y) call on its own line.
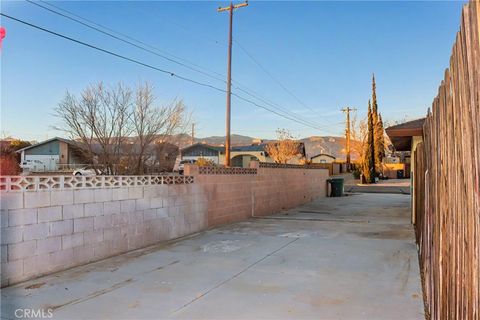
point(102, 119)
point(153, 123)
point(358, 136)
point(99, 121)
point(285, 148)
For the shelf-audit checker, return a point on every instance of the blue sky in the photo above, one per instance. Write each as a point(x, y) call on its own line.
point(323, 52)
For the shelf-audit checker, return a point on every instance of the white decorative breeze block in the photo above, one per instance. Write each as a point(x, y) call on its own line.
point(38, 183)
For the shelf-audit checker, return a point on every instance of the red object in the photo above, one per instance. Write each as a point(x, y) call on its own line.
point(9, 166)
point(3, 33)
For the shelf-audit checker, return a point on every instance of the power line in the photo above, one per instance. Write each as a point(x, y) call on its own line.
point(270, 103)
point(272, 77)
point(239, 85)
point(298, 129)
point(189, 30)
point(154, 68)
point(110, 34)
point(256, 95)
point(263, 107)
point(298, 119)
point(136, 40)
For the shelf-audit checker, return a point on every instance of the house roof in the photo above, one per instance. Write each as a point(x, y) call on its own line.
point(323, 154)
point(125, 148)
point(70, 142)
point(248, 148)
point(253, 147)
point(215, 148)
point(401, 134)
point(407, 129)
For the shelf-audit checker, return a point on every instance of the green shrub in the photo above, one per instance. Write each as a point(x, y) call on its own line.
point(356, 174)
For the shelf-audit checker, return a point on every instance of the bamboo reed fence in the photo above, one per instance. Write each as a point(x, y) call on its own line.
point(446, 182)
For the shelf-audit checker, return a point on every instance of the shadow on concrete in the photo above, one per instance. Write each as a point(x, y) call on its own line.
point(335, 258)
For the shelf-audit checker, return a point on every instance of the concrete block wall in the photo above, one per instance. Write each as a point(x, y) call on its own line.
point(229, 197)
point(47, 231)
point(280, 189)
point(236, 197)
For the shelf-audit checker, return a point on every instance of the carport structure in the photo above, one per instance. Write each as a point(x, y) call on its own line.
point(334, 258)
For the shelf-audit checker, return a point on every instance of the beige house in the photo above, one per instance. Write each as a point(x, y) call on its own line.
point(323, 158)
point(240, 156)
point(406, 137)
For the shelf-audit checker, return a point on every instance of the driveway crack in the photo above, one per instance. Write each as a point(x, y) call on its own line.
point(234, 276)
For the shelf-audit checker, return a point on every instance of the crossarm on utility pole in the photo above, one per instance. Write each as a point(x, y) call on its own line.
point(220, 9)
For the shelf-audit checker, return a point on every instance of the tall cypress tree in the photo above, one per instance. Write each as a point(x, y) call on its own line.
point(369, 154)
point(374, 98)
point(378, 129)
point(381, 138)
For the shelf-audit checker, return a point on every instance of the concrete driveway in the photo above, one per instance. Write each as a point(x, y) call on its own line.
point(336, 258)
point(399, 186)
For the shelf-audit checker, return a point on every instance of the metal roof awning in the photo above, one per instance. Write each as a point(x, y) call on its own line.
point(401, 134)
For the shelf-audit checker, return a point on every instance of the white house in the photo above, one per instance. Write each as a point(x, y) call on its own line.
point(50, 155)
point(323, 158)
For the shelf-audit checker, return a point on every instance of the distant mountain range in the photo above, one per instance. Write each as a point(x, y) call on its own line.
point(314, 145)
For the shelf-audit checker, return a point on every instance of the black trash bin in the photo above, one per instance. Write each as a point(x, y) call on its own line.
point(336, 186)
point(400, 174)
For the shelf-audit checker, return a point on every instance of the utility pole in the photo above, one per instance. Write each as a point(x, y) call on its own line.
point(347, 132)
point(230, 8)
point(193, 133)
